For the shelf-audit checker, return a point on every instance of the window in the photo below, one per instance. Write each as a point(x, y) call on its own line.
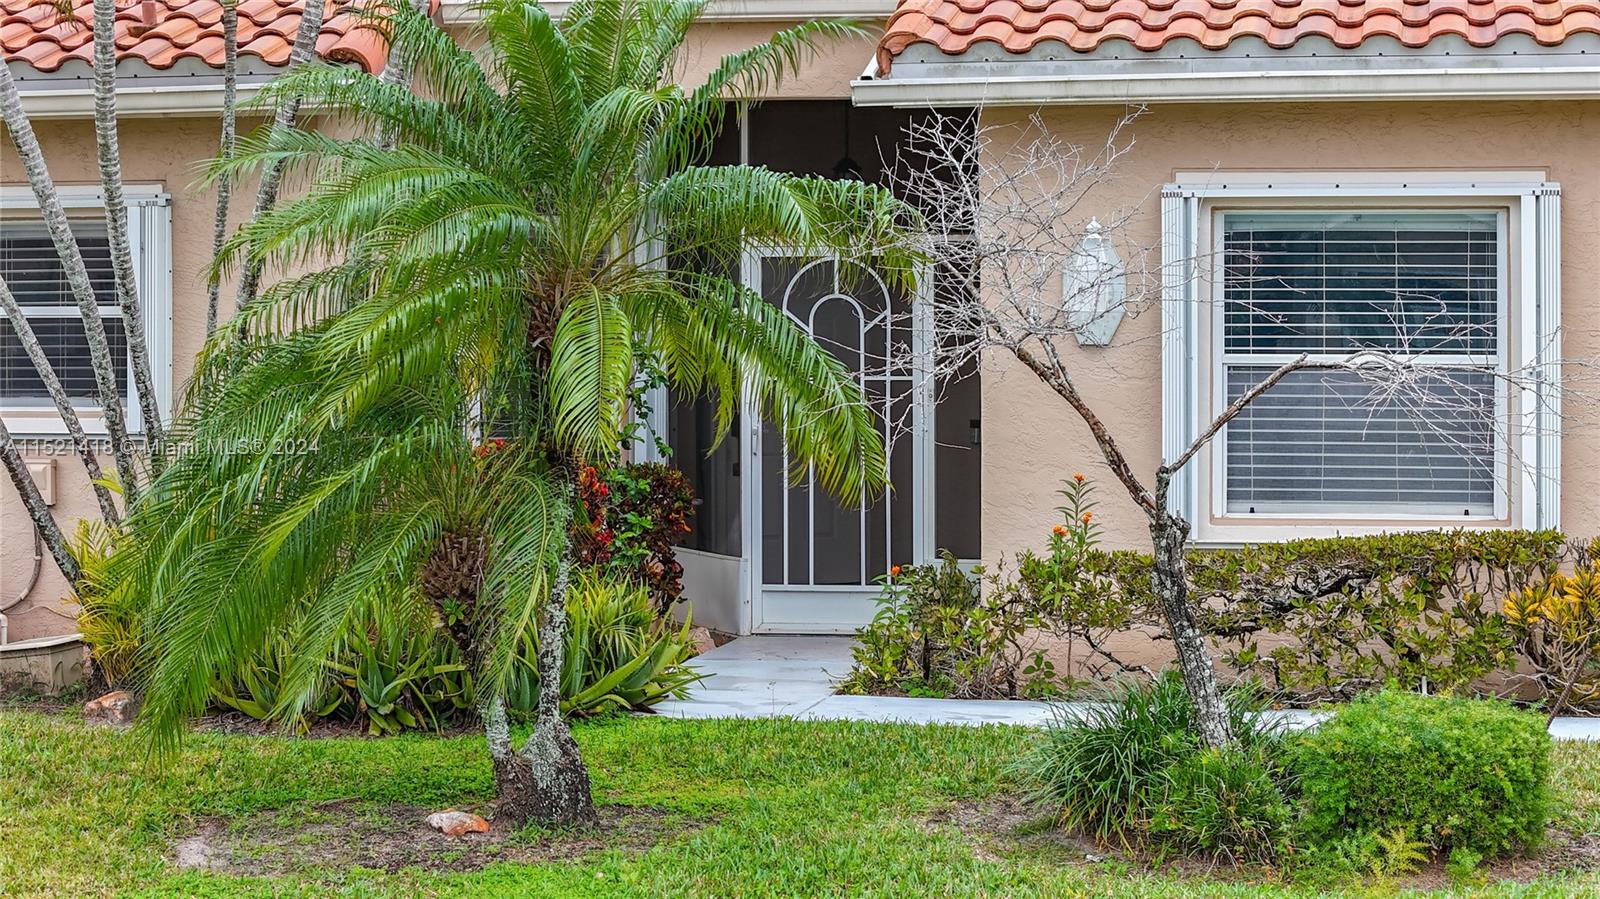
point(1458, 271)
point(33, 271)
point(1423, 284)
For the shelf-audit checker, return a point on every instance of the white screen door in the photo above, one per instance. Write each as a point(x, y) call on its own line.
point(815, 560)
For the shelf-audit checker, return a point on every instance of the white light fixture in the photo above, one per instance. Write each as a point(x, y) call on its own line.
point(1094, 288)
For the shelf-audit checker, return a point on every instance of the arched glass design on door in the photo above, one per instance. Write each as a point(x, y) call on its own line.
point(810, 543)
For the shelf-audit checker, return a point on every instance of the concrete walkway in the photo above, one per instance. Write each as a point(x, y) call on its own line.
point(793, 677)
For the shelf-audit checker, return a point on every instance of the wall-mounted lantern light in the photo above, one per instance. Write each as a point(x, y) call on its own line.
point(1094, 288)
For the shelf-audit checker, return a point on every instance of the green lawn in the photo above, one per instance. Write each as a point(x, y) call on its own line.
point(753, 808)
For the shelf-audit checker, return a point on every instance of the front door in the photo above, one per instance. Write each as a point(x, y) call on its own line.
point(816, 561)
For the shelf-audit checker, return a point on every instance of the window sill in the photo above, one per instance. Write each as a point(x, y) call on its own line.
point(38, 425)
point(1210, 535)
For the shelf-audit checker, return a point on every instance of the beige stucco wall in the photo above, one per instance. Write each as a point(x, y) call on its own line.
point(167, 152)
point(1032, 440)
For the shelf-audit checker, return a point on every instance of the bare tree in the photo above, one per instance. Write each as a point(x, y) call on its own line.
point(1008, 217)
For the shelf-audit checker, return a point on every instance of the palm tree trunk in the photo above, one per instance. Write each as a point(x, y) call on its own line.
point(305, 42)
point(110, 158)
point(34, 503)
point(546, 780)
point(58, 395)
point(230, 124)
point(55, 220)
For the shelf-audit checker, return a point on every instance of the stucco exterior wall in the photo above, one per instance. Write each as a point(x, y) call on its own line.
point(1032, 439)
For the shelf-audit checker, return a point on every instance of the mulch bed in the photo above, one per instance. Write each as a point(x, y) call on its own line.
point(343, 834)
point(1002, 825)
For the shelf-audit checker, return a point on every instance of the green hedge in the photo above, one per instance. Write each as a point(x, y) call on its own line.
point(1451, 772)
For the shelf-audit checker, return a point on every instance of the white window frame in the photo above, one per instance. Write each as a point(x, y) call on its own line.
point(150, 241)
point(1529, 319)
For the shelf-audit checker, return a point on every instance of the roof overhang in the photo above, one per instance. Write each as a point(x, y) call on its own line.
point(179, 96)
point(1448, 68)
point(189, 87)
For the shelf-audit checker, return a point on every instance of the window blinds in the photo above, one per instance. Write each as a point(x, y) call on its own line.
point(33, 272)
point(1422, 284)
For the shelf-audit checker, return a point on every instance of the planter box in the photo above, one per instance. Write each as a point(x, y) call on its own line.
point(45, 665)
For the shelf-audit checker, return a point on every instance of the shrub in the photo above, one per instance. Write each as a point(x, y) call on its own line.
point(1109, 771)
point(107, 617)
point(633, 515)
point(1225, 804)
point(1557, 626)
point(394, 673)
point(944, 632)
point(1452, 773)
point(1418, 609)
point(938, 632)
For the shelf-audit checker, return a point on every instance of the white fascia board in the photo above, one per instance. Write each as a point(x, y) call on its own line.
point(1530, 83)
point(460, 12)
point(133, 100)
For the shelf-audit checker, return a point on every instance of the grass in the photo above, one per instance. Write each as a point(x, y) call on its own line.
point(781, 809)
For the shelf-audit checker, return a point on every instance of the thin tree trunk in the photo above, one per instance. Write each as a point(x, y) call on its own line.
point(546, 780)
point(305, 42)
point(58, 395)
point(110, 158)
point(230, 96)
point(55, 219)
point(1566, 691)
point(1169, 579)
point(34, 503)
point(1169, 537)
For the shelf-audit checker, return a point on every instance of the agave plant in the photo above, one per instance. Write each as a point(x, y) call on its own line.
point(492, 253)
point(619, 655)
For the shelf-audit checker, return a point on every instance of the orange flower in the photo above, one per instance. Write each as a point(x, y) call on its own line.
point(1087, 516)
point(1079, 478)
point(1060, 530)
point(894, 571)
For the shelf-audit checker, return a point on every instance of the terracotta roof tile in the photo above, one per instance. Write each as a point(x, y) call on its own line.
point(1017, 26)
point(164, 32)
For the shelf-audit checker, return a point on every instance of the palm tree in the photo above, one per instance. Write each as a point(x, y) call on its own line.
point(288, 111)
point(500, 268)
point(110, 158)
point(224, 184)
point(77, 276)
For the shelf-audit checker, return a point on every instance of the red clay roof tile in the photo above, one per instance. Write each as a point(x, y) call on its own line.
point(1017, 26)
point(165, 32)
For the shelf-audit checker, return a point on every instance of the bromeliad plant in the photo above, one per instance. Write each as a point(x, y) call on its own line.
point(492, 253)
point(1557, 627)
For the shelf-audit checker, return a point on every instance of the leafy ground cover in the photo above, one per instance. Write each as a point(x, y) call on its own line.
point(711, 808)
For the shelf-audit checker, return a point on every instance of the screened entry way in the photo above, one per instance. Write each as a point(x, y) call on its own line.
point(819, 559)
point(771, 554)
point(808, 537)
